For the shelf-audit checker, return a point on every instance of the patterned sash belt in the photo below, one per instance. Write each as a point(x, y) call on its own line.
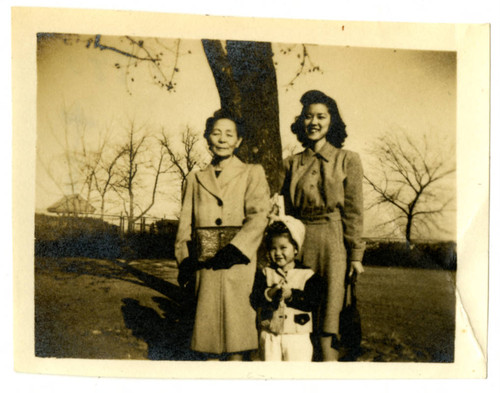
point(209, 240)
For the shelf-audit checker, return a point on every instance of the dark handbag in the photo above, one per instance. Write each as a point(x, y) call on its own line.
point(350, 320)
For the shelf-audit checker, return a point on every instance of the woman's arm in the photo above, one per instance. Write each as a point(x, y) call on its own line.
point(352, 215)
point(257, 206)
point(185, 221)
point(285, 178)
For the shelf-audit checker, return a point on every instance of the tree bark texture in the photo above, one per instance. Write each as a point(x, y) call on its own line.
point(246, 80)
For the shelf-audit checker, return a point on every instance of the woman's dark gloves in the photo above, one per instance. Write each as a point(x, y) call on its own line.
point(187, 272)
point(226, 257)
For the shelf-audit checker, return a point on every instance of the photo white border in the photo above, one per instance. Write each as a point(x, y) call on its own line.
point(406, 37)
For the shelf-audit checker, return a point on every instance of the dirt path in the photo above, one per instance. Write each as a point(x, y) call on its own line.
point(101, 309)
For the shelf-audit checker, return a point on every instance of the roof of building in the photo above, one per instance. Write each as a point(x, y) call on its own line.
point(71, 204)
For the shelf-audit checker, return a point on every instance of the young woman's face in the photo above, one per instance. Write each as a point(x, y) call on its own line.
point(317, 122)
point(282, 251)
point(223, 139)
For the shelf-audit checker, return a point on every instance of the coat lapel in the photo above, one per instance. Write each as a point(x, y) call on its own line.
point(206, 178)
point(215, 186)
point(304, 161)
point(232, 169)
point(329, 152)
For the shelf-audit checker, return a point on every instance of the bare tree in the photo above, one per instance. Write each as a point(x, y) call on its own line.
point(189, 157)
point(137, 161)
point(409, 178)
point(244, 73)
point(105, 177)
point(89, 159)
point(79, 158)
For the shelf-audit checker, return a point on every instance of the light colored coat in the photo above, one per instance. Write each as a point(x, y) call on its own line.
point(225, 320)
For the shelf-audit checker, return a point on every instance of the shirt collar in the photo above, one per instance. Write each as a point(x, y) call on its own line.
point(325, 153)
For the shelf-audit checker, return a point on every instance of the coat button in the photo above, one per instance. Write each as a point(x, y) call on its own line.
point(218, 221)
point(219, 202)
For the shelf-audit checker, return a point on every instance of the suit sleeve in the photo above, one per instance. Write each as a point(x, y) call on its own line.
point(352, 215)
point(257, 206)
point(185, 221)
point(258, 297)
point(309, 298)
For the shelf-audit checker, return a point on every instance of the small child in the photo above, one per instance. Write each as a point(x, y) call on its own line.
point(286, 293)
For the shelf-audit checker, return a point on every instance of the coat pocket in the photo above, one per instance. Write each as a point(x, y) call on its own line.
point(301, 319)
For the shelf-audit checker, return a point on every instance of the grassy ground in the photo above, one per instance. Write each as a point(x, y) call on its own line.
point(407, 314)
point(98, 309)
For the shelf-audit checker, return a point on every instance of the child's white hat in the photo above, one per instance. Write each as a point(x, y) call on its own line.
point(296, 227)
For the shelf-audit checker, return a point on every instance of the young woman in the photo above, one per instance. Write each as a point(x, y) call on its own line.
point(223, 217)
point(323, 187)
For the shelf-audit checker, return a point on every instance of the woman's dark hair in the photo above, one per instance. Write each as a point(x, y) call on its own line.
point(224, 114)
point(276, 229)
point(336, 133)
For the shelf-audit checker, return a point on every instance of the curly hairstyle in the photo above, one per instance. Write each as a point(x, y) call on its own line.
point(336, 133)
point(224, 114)
point(276, 229)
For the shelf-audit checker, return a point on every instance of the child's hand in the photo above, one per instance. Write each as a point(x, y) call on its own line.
point(274, 291)
point(287, 292)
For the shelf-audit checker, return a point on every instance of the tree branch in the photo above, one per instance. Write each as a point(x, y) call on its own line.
point(97, 44)
point(407, 179)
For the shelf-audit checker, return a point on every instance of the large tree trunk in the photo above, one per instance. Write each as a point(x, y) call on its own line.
point(246, 80)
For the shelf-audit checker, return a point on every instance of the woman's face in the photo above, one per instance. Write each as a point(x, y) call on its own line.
point(223, 139)
point(317, 122)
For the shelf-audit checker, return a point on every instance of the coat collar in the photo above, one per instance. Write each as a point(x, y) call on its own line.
point(215, 185)
point(326, 153)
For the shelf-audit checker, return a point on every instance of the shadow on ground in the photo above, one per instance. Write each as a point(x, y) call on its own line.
point(164, 329)
point(167, 335)
point(104, 309)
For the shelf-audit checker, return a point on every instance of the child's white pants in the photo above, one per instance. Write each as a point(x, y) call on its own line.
point(287, 347)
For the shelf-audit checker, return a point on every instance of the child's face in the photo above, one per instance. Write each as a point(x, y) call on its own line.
point(282, 251)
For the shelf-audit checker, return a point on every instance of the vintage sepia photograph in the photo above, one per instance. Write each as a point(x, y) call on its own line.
point(115, 150)
point(216, 198)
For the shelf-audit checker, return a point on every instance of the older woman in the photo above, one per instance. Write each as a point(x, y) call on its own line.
point(323, 187)
point(223, 217)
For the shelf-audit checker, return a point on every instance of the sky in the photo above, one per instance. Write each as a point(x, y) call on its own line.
point(378, 90)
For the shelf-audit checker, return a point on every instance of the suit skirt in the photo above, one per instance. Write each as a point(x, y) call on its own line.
point(325, 253)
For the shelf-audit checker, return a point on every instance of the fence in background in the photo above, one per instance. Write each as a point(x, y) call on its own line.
point(103, 237)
